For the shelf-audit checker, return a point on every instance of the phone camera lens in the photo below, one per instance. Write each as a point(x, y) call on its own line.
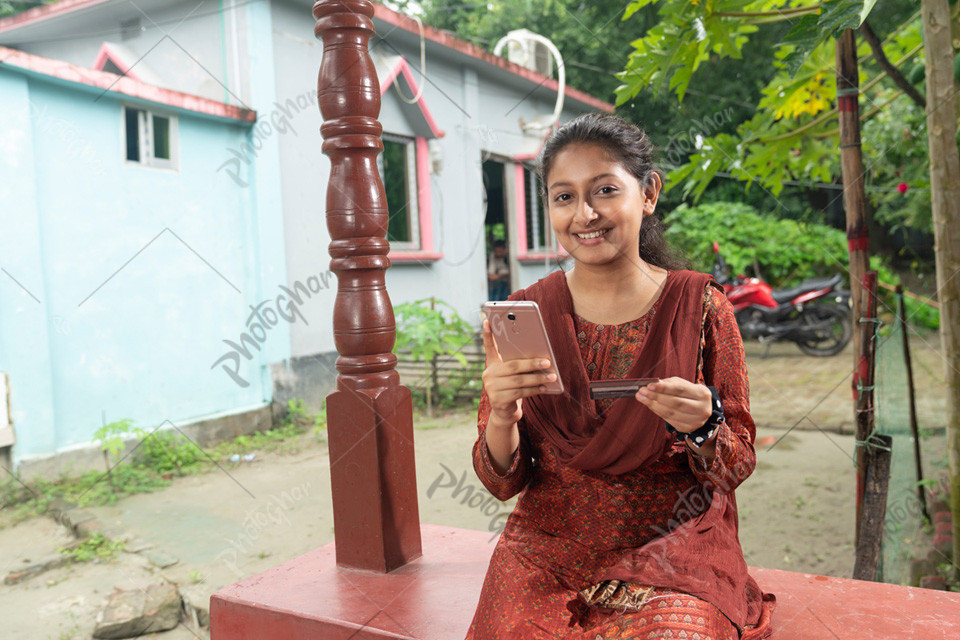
point(511, 316)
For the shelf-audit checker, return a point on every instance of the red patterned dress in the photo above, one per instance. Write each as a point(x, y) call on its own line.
point(570, 525)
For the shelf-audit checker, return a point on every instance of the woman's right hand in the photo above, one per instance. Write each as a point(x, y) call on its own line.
point(507, 383)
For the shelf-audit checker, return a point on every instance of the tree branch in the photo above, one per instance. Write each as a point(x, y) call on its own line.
point(891, 70)
point(783, 14)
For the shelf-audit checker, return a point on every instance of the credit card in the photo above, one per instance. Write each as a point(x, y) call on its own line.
point(625, 388)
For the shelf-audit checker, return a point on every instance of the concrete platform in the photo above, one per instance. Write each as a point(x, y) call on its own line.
point(433, 598)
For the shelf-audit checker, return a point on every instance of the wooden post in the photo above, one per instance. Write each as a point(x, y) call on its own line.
point(874, 509)
point(854, 203)
point(865, 380)
point(911, 397)
point(945, 204)
point(376, 522)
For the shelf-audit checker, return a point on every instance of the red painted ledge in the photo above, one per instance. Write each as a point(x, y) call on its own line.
point(434, 597)
point(427, 256)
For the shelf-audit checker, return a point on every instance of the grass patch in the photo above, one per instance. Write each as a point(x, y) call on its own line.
point(96, 548)
point(157, 458)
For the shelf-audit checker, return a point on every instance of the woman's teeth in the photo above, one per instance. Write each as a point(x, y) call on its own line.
point(589, 236)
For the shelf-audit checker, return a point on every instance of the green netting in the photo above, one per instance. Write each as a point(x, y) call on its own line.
point(904, 519)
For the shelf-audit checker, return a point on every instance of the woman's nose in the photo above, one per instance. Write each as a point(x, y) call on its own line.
point(585, 213)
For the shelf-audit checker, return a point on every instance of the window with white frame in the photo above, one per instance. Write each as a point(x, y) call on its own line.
point(539, 231)
point(150, 138)
point(398, 169)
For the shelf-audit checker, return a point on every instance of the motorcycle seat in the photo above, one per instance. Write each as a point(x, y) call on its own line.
point(814, 284)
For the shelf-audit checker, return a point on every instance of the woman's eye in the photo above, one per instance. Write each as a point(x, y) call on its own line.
point(562, 197)
point(606, 190)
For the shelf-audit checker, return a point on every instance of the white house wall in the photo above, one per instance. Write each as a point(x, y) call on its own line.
point(189, 49)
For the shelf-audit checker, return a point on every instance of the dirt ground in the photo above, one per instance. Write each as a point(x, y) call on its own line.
point(797, 510)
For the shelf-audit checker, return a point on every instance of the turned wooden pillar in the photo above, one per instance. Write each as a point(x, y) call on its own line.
point(370, 415)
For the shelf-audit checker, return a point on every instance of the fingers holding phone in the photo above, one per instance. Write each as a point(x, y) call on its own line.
point(508, 382)
point(517, 333)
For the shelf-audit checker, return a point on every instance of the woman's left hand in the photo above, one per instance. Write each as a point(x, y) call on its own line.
point(685, 405)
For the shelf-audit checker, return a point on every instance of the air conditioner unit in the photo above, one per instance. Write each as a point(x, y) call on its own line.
point(529, 52)
point(536, 53)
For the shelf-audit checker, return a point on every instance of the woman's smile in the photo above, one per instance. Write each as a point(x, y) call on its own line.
point(592, 237)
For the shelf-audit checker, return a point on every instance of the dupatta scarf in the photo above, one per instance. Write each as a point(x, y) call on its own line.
point(702, 556)
point(629, 435)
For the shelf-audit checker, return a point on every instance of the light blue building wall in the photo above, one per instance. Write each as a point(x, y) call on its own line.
point(121, 282)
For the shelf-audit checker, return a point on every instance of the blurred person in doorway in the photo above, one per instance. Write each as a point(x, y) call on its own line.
point(498, 272)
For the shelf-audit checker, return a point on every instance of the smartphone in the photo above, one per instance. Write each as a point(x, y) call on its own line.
point(519, 332)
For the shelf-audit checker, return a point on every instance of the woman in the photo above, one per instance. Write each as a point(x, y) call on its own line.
point(626, 526)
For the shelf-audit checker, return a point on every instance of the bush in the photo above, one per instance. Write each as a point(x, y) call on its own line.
point(782, 252)
point(430, 328)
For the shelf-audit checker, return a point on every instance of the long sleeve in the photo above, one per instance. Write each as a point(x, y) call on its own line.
point(724, 367)
point(505, 486)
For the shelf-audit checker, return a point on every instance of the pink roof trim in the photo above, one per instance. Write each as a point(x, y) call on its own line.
point(402, 67)
point(107, 53)
point(123, 85)
point(39, 14)
point(409, 24)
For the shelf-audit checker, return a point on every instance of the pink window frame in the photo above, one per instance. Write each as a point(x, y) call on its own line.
point(424, 211)
point(422, 151)
point(520, 221)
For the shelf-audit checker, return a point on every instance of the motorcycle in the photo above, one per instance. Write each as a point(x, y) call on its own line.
point(815, 315)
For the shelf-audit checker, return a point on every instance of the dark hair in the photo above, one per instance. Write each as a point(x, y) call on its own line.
point(631, 147)
point(499, 243)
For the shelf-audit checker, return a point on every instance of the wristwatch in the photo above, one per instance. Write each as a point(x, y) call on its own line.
point(709, 428)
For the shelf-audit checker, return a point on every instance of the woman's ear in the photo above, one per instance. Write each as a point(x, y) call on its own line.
point(651, 192)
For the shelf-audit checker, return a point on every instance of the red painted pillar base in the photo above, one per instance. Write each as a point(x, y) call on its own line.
point(311, 598)
point(373, 477)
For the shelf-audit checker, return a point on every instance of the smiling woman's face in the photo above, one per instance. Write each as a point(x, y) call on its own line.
point(596, 206)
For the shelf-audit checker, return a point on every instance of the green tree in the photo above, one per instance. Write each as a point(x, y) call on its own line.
point(792, 135)
point(594, 40)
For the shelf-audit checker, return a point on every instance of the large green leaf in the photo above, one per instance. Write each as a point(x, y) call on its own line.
point(838, 15)
point(801, 40)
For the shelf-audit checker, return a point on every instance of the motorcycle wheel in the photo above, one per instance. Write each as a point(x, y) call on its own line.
point(827, 330)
